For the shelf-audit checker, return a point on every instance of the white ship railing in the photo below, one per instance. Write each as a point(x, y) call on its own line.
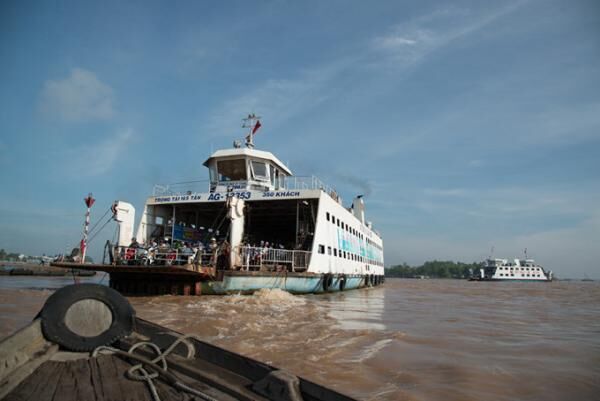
point(287, 183)
point(162, 257)
point(258, 258)
point(181, 188)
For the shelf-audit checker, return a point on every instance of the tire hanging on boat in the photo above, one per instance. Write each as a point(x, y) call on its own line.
point(327, 281)
point(83, 317)
point(342, 281)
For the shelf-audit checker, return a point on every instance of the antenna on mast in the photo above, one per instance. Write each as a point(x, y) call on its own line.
point(491, 252)
point(525, 250)
point(252, 122)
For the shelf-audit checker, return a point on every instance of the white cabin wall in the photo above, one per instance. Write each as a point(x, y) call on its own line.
point(125, 217)
point(331, 236)
point(148, 222)
point(142, 231)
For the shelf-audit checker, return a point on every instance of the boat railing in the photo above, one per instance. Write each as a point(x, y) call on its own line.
point(285, 183)
point(140, 256)
point(181, 188)
point(261, 258)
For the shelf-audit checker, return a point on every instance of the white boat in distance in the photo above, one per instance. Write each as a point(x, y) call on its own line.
point(254, 225)
point(516, 270)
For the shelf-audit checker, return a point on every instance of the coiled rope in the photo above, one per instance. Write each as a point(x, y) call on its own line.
point(158, 364)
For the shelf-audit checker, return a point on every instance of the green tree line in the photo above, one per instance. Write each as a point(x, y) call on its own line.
point(433, 269)
point(8, 256)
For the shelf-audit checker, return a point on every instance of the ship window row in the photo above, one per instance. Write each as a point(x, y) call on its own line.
point(337, 222)
point(523, 268)
point(347, 255)
point(525, 275)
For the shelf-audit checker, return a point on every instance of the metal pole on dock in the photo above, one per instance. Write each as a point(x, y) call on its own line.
point(89, 201)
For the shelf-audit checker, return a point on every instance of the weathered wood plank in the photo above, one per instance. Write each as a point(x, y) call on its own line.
point(83, 379)
point(41, 385)
point(18, 375)
point(132, 390)
point(65, 387)
point(109, 379)
point(96, 380)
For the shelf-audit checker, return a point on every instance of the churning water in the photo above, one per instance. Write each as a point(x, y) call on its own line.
point(406, 340)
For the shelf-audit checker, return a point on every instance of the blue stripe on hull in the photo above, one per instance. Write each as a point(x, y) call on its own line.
point(295, 285)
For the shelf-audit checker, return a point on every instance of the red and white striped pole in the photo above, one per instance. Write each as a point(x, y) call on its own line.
point(89, 201)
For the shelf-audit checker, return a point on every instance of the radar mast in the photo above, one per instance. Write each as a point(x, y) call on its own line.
point(252, 123)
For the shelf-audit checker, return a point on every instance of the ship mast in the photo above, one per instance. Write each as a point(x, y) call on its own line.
point(252, 123)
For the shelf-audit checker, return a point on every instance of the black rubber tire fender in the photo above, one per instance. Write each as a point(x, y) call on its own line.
point(55, 309)
point(327, 281)
point(342, 281)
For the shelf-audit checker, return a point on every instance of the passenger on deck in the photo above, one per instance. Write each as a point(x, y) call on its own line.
point(134, 243)
point(187, 253)
point(223, 258)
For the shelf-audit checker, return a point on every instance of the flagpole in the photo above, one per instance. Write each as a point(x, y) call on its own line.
point(89, 201)
point(252, 122)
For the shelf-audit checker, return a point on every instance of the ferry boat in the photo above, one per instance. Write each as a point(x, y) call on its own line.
point(517, 269)
point(254, 225)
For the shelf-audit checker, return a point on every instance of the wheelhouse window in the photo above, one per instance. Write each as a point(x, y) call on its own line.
point(259, 170)
point(232, 170)
point(272, 173)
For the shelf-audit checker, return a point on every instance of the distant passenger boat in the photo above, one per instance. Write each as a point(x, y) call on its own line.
point(254, 225)
point(518, 269)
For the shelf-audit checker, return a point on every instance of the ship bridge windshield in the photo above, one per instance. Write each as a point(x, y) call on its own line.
point(232, 170)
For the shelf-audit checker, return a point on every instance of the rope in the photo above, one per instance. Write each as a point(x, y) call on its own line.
point(99, 231)
point(158, 364)
point(98, 222)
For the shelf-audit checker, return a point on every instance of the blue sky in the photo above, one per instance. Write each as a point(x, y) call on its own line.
point(467, 124)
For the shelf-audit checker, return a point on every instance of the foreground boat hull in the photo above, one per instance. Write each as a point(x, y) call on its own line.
point(38, 366)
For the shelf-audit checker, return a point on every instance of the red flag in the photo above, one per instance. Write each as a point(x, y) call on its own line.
point(256, 127)
point(89, 201)
point(82, 246)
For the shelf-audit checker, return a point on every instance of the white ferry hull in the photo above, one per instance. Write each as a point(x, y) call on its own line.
point(245, 283)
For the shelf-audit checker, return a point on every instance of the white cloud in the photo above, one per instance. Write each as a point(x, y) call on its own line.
point(410, 42)
point(79, 97)
point(393, 41)
point(275, 99)
point(405, 45)
point(98, 158)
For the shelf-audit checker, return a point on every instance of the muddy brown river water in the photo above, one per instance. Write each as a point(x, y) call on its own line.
point(407, 340)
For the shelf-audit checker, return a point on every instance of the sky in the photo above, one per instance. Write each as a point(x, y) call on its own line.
point(466, 125)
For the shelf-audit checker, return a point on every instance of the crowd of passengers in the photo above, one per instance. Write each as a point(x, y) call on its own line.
point(213, 253)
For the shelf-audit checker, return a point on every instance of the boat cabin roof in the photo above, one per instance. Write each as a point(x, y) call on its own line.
point(248, 153)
